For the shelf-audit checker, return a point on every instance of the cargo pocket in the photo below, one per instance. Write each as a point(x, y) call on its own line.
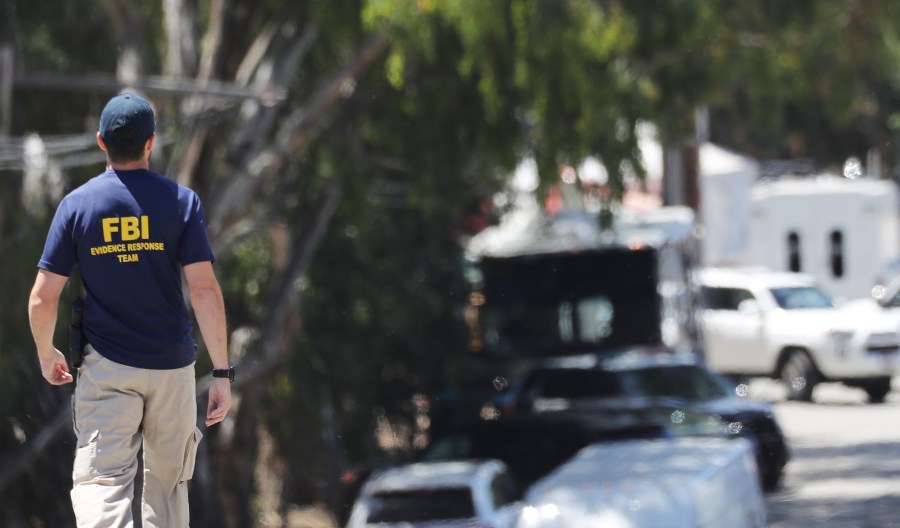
point(74, 416)
point(190, 456)
point(85, 454)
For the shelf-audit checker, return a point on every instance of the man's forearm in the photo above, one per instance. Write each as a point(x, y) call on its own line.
point(42, 314)
point(209, 308)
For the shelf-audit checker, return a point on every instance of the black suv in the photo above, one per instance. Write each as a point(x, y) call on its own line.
point(682, 388)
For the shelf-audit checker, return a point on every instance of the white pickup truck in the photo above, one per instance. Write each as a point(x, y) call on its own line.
point(675, 482)
point(758, 322)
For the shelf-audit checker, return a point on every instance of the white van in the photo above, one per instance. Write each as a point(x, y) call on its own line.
point(665, 483)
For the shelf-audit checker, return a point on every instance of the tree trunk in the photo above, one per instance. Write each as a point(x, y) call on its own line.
point(235, 455)
point(181, 49)
point(126, 21)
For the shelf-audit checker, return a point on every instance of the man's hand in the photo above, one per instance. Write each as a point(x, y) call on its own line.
point(55, 369)
point(42, 305)
point(219, 400)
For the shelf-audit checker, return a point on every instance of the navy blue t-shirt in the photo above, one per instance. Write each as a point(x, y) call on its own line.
point(131, 232)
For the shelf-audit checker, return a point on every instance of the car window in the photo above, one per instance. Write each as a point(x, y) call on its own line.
point(595, 319)
point(573, 384)
point(720, 298)
point(804, 297)
point(421, 505)
point(689, 382)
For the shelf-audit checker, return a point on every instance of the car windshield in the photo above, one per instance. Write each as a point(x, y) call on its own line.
point(421, 505)
point(801, 297)
point(689, 382)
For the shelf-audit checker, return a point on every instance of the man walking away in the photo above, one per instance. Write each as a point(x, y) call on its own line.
point(134, 234)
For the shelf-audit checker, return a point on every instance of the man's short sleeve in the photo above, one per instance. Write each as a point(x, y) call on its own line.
point(59, 248)
point(194, 245)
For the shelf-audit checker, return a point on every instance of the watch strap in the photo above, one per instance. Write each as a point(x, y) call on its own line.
point(224, 373)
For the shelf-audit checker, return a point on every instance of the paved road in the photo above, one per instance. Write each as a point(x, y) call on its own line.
point(845, 466)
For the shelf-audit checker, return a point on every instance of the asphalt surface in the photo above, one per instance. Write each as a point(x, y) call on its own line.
point(845, 465)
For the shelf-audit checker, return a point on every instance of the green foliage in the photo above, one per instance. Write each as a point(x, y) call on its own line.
point(465, 90)
point(551, 69)
point(245, 276)
point(69, 38)
point(799, 79)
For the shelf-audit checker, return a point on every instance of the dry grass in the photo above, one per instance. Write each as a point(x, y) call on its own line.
point(309, 517)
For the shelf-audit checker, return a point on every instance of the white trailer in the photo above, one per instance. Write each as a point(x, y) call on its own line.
point(689, 482)
point(842, 231)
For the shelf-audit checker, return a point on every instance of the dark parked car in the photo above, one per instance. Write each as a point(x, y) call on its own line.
point(530, 444)
point(658, 382)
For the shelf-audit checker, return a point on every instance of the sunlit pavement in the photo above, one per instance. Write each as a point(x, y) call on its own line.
point(845, 465)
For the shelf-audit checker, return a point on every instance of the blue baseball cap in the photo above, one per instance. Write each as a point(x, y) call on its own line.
point(127, 110)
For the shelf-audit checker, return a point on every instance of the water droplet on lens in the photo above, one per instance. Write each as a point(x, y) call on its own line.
point(500, 383)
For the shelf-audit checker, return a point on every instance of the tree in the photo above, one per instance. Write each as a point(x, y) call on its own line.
point(337, 149)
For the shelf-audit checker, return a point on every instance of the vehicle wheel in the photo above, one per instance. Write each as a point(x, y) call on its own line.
point(799, 376)
point(877, 389)
point(770, 478)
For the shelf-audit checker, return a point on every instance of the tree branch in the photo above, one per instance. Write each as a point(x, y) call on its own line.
point(266, 353)
point(291, 138)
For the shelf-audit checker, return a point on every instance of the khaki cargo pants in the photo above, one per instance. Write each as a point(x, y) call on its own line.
point(116, 409)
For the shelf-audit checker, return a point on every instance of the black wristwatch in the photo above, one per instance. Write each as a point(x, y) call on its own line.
point(225, 373)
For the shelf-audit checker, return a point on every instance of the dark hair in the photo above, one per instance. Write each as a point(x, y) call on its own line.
point(123, 146)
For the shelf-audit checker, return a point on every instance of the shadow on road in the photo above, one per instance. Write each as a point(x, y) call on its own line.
point(843, 486)
point(879, 512)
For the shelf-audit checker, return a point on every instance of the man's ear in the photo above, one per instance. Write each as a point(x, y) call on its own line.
point(149, 145)
point(100, 142)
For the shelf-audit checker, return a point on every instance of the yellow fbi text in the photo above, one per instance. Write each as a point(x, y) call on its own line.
point(125, 236)
point(128, 227)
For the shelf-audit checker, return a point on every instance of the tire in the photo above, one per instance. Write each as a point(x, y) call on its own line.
point(799, 376)
point(770, 478)
point(877, 389)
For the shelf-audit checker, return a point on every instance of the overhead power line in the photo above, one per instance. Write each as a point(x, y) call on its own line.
point(66, 151)
point(268, 95)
